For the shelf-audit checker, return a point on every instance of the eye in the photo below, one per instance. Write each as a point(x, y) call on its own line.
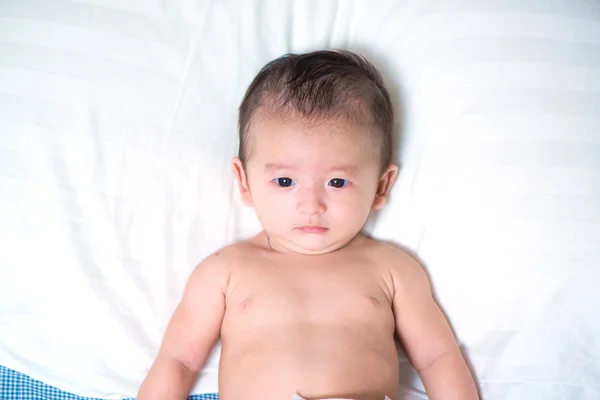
point(338, 182)
point(284, 182)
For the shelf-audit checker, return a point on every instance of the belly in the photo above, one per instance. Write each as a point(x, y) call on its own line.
point(357, 361)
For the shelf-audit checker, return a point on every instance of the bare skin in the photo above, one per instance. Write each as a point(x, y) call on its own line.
point(321, 327)
point(317, 326)
point(310, 306)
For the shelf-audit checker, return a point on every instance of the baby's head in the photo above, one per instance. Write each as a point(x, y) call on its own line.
point(315, 149)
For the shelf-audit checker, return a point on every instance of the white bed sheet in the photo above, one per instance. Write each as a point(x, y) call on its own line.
point(118, 121)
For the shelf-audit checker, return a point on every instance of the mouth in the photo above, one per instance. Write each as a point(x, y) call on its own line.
point(312, 229)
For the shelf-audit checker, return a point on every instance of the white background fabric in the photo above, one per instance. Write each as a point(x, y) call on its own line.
point(118, 122)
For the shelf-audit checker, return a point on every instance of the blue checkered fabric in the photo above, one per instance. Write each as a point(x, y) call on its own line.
point(17, 386)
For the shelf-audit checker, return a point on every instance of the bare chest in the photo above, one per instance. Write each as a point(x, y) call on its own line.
point(308, 291)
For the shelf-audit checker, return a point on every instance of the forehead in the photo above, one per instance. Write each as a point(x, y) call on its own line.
point(299, 141)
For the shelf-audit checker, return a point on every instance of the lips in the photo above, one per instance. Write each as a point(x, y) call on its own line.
point(312, 229)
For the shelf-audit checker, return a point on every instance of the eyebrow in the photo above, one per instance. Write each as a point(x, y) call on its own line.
point(277, 166)
point(349, 169)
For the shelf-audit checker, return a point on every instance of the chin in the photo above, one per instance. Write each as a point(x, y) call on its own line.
point(307, 243)
point(317, 245)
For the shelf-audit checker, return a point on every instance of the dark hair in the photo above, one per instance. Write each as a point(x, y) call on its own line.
point(321, 85)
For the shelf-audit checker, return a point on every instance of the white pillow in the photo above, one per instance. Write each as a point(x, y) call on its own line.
point(118, 121)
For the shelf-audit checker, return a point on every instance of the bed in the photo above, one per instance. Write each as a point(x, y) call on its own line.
point(118, 123)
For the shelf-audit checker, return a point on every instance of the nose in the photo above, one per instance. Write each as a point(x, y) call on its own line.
point(310, 201)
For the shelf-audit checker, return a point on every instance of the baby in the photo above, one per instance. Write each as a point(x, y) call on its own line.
point(310, 306)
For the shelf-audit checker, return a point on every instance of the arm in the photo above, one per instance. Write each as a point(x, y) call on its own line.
point(427, 336)
point(191, 334)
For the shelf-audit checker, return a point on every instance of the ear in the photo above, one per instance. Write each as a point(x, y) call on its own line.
point(386, 181)
point(242, 180)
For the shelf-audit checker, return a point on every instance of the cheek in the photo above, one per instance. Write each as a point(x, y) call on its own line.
point(350, 206)
point(272, 203)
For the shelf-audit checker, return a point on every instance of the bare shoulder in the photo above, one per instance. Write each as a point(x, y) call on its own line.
point(406, 272)
point(215, 269)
